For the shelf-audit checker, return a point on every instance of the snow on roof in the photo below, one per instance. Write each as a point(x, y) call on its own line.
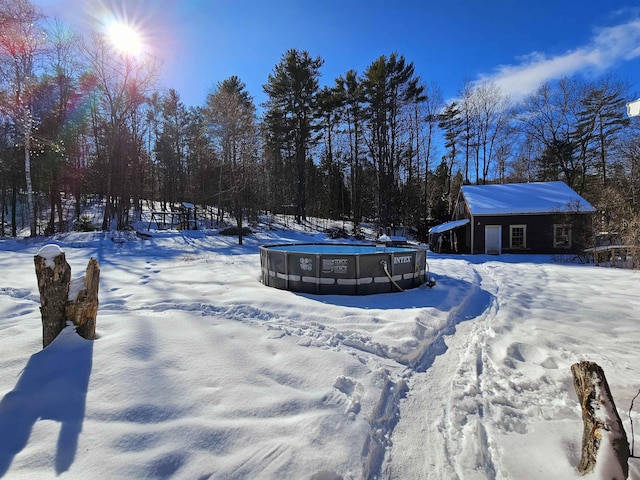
point(524, 198)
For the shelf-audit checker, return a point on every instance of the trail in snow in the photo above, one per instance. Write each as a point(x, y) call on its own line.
point(442, 407)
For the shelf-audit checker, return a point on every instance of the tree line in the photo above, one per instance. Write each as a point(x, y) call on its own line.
point(81, 119)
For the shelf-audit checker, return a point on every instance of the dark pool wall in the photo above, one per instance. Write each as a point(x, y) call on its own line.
point(342, 273)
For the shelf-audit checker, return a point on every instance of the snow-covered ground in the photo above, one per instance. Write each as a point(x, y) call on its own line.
point(202, 372)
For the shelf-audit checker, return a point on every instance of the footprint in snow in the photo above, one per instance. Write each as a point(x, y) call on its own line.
point(348, 392)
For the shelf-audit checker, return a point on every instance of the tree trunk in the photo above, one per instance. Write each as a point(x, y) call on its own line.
point(27, 173)
point(83, 309)
point(54, 282)
point(54, 275)
point(602, 425)
point(239, 223)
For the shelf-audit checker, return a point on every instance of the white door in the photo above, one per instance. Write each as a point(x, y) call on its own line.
point(493, 239)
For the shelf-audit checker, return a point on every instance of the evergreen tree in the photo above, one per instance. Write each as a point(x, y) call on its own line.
point(232, 119)
point(171, 150)
point(601, 119)
point(452, 125)
point(350, 90)
point(334, 194)
point(291, 118)
point(391, 89)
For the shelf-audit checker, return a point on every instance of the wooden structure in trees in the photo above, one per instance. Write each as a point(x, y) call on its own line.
point(602, 425)
point(181, 218)
point(63, 299)
point(624, 256)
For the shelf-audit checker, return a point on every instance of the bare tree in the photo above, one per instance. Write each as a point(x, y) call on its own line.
point(549, 117)
point(170, 148)
point(122, 83)
point(485, 113)
point(432, 108)
point(60, 133)
point(21, 42)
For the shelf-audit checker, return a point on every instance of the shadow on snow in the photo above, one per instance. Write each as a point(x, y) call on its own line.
point(52, 386)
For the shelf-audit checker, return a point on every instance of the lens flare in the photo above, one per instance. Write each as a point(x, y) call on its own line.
point(125, 37)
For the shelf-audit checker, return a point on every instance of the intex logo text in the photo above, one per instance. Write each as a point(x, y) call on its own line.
point(397, 260)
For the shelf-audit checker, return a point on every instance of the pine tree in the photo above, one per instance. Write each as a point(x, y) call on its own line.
point(291, 118)
point(452, 125)
point(391, 89)
point(601, 118)
point(352, 101)
point(231, 114)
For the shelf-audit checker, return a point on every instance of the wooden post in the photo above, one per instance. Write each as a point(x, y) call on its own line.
point(83, 309)
point(54, 275)
point(602, 425)
point(58, 303)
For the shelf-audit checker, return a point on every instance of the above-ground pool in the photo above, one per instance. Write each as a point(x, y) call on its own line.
point(337, 268)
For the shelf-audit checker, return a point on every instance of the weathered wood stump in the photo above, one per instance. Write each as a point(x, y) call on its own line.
point(62, 300)
point(54, 276)
point(602, 425)
point(82, 306)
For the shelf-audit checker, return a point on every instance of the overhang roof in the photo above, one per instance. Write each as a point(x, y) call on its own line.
point(445, 227)
point(524, 198)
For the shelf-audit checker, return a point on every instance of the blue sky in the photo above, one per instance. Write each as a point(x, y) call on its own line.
point(516, 43)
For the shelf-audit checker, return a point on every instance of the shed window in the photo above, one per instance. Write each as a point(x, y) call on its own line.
point(562, 236)
point(518, 236)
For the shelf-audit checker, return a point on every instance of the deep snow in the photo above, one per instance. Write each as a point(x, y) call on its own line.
point(200, 371)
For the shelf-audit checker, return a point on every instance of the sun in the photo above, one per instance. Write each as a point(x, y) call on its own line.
point(125, 38)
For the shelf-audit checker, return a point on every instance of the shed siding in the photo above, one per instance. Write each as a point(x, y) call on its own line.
point(539, 231)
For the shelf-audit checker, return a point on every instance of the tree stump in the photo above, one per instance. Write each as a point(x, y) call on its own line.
point(54, 275)
point(64, 300)
point(83, 309)
point(602, 425)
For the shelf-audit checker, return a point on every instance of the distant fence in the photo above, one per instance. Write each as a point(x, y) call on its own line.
point(619, 256)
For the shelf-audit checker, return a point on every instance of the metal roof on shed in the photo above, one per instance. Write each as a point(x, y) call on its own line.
point(524, 198)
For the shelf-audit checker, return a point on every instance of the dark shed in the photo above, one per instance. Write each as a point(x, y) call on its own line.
point(539, 217)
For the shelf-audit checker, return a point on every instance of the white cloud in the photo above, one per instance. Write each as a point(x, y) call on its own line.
point(609, 46)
